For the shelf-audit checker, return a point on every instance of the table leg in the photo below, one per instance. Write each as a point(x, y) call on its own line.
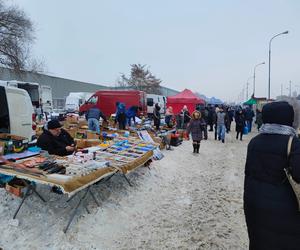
point(110, 177)
point(71, 198)
point(37, 194)
point(87, 210)
point(24, 198)
point(127, 179)
point(76, 209)
point(32, 188)
point(94, 198)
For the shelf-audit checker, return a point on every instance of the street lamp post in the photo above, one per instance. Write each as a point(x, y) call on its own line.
point(254, 76)
point(297, 86)
point(269, 85)
point(247, 86)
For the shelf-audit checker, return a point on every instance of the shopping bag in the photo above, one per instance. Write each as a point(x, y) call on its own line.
point(245, 130)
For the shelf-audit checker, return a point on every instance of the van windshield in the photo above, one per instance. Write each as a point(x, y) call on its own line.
point(4, 115)
point(93, 100)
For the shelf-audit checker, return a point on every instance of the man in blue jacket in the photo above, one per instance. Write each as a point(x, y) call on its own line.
point(92, 116)
point(131, 114)
point(249, 114)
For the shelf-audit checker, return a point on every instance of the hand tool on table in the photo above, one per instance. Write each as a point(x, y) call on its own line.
point(22, 171)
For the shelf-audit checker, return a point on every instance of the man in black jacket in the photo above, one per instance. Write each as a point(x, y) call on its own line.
point(56, 140)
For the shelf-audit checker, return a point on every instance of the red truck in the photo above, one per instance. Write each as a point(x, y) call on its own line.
point(106, 100)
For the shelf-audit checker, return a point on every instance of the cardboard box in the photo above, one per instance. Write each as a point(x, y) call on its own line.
point(72, 132)
point(14, 143)
point(85, 143)
point(159, 141)
point(15, 187)
point(72, 119)
point(92, 142)
point(69, 125)
point(80, 143)
point(91, 135)
point(82, 122)
point(5, 136)
point(80, 134)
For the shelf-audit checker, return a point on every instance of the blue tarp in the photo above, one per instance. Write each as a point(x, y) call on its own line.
point(214, 101)
point(5, 178)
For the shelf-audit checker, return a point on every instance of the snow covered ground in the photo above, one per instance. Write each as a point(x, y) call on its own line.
point(185, 201)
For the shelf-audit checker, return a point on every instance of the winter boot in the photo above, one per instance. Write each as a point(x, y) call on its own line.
point(194, 147)
point(198, 147)
point(223, 141)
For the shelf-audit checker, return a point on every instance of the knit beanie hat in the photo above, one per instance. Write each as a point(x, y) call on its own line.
point(279, 113)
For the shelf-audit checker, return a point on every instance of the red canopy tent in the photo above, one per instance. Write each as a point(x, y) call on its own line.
point(186, 97)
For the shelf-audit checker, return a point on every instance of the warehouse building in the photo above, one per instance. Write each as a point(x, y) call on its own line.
point(61, 87)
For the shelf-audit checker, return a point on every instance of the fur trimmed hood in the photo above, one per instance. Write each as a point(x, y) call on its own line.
point(193, 114)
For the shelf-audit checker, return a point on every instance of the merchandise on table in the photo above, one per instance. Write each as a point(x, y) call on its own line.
point(13, 143)
point(123, 151)
point(85, 168)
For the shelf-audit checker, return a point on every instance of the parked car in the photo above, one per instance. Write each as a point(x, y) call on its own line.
point(106, 100)
point(152, 100)
point(16, 112)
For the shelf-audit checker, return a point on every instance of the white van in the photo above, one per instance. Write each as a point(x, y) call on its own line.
point(152, 100)
point(75, 99)
point(16, 112)
point(41, 95)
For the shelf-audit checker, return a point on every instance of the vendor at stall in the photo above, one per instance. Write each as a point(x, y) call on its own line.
point(131, 113)
point(92, 116)
point(121, 115)
point(56, 140)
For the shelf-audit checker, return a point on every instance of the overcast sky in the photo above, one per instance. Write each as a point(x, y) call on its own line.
point(208, 46)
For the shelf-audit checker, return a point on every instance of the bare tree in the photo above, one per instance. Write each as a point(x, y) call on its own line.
point(122, 81)
point(16, 38)
point(141, 79)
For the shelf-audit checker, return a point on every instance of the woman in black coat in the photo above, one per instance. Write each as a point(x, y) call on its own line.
point(195, 127)
point(240, 124)
point(270, 205)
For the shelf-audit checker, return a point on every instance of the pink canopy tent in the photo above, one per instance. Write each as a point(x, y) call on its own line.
point(186, 97)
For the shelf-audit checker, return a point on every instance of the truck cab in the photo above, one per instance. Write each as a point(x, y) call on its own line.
point(106, 101)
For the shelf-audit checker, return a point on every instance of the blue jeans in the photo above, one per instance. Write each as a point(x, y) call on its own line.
point(249, 125)
point(129, 121)
point(221, 131)
point(94, 125)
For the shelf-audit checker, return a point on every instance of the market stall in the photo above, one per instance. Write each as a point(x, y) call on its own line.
point(186, 97)
point(79, 171)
